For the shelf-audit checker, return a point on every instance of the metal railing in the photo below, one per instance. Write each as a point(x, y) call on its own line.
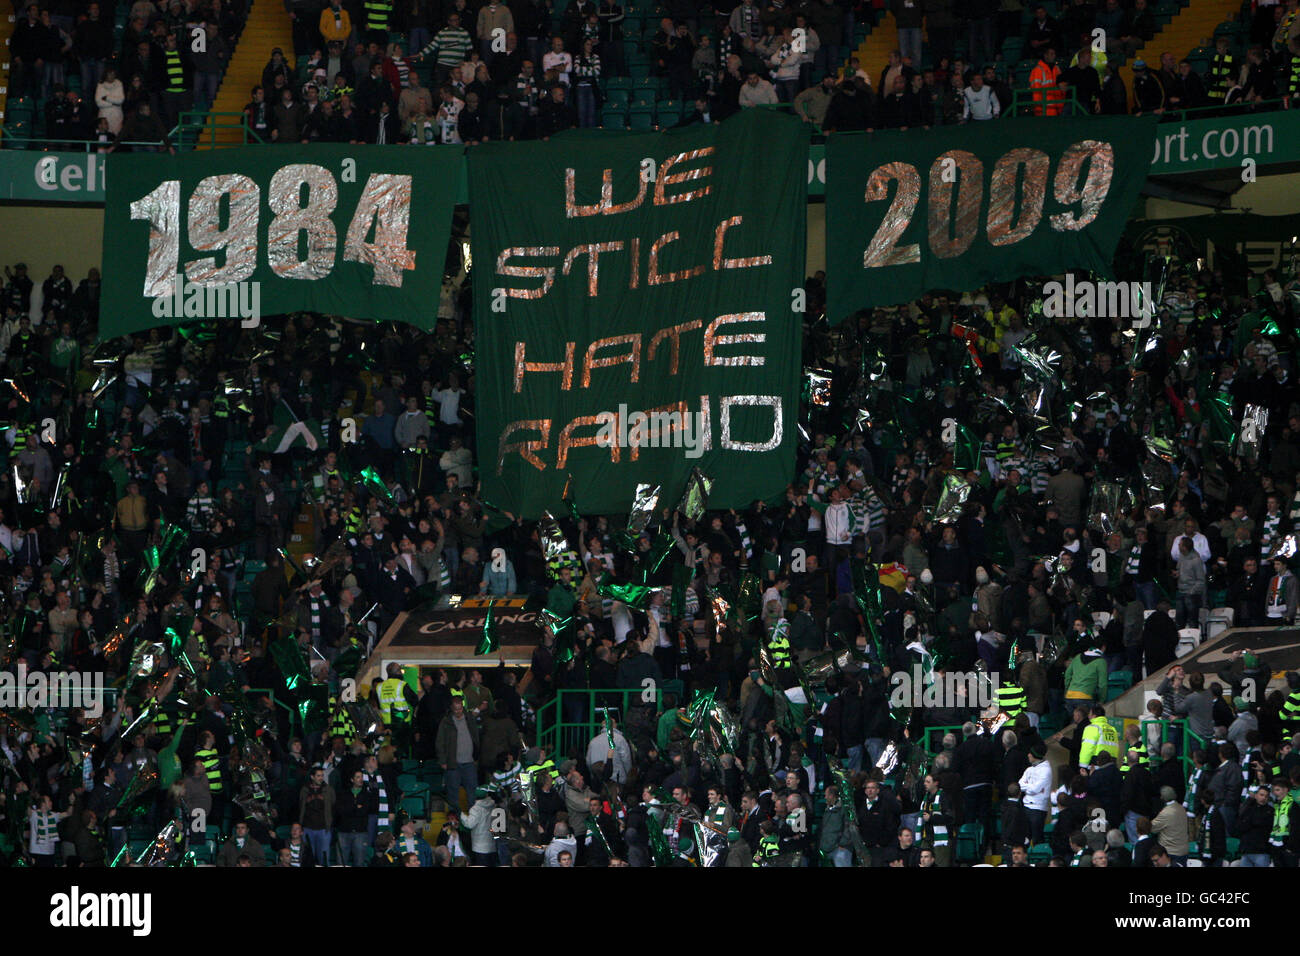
point(194, 127)
point(1027, 101)
point(11, 140)
point(568, 722)
point(1231, 109)
point(204, 126)
point(1180, 735)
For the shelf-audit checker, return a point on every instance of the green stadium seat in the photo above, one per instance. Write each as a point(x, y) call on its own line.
point(617, 99)
point(1048, 724)
point(1040, 855)
point(415, 806)
point(618, 84)
point(641, 120)
point(1118, 683)
point(611, 118)
point(202, 853)
point(970, 843)
point(411, 785)
point(668, 111)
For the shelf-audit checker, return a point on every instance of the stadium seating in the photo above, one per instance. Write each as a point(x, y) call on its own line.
point(970, 843)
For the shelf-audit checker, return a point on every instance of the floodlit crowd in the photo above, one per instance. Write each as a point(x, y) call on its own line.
point(218, 524)
point(221, 523)
point(429, 73)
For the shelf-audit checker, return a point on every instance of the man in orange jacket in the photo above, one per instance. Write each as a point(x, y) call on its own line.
point(1049, 98)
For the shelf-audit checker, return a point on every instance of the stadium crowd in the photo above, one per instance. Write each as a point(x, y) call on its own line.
point(529, 69)
point(979, 489)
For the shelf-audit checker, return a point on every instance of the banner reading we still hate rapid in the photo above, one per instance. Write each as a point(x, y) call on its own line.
point(956, 207)
point(635, 307)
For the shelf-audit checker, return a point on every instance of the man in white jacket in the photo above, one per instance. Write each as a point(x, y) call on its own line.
point(980, 102)
point(563, 842)
point(459, 461)
point(616, 758)
point(482, 841)
point(1036, 791)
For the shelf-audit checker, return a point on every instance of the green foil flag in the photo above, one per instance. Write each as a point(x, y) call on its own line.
point(293, 665)
point(489, 643)
point(370, 480)
point(966, 451)
point(649, 562)
point(952, 499)
point(633, 595)
point(696, 496)
point(749, 597)
point(643, 508)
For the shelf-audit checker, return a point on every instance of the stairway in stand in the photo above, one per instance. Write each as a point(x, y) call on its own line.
point(268, 27)
point(1192, 27)
point(873, 53)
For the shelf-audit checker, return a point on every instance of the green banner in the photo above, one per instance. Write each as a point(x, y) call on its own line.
point(956, 207)
point(1265, 138)
point(638, 307)
point(355, 230)
point(27, 175)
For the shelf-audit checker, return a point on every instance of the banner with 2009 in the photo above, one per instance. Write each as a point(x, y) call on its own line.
point(957, 207)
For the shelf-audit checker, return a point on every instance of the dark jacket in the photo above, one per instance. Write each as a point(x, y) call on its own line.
point(1254, 823)
point(1015, 823)
point(848, 111)
point(352, 810)
point(878, 824)
point(1140, 793)
point(446, 743)
point(975, 759)
point(316, 807)
point(1106, 787)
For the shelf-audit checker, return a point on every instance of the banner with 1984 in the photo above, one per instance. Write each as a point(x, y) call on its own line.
point(232, 233)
